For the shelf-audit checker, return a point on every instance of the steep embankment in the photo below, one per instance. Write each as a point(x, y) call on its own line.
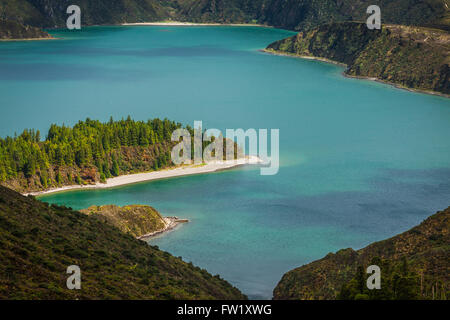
point(304, 14)
point(52, 13)
point(414, 265)
point(10, 30)
point(38, 242)
point(411, 57)
point(138, 220)
point(288, 14)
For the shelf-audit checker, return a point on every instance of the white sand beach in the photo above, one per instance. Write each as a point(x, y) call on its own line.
point(156, 175)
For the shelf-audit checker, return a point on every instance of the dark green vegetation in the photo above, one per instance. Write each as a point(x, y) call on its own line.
point(412, 57)
point(388, 55)
point(89, 152)
point(414, 265)
point(304, 14)
point(52, 13)
point(137, 220)
point(15, 30)
point(288, 14)
point(38, 242)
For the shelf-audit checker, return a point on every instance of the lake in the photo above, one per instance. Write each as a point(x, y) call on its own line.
point(360, 161)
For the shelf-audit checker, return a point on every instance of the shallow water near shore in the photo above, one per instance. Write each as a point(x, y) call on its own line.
point(360, 161)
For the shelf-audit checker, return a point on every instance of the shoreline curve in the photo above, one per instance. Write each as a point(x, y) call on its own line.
point(325, 60)
point(188, 170)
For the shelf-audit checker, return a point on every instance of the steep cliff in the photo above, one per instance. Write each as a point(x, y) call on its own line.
point(52, 13)
point(305, 14)
point(411, 57)
point(288, 14)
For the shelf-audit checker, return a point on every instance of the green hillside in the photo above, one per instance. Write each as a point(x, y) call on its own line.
point(414, 265)
point(301, 14)
point(412, 57)
point(138, 220)
point(15, 30)
point(52, 13)
point(38, 242)
point(289, 14)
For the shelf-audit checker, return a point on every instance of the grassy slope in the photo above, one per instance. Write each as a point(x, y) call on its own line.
point(412, 57)
point(289, 14)
point(21, 11)
point(137, 220)
point(425, 249)
point(301, 14)
point(38, 242)
point(51, 13)
point(14, 30)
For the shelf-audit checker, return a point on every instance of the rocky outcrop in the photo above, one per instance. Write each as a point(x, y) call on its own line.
point(138, 220)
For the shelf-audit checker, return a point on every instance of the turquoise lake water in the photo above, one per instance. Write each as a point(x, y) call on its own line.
point(360, 161)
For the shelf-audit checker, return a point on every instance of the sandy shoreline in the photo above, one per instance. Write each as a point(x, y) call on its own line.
point(178, 23)
point(28, 39)
point(156, 175)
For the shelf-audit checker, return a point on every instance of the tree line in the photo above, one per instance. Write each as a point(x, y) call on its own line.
point(89, 143)
point(398, 282)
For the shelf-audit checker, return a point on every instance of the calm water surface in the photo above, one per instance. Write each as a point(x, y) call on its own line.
point(360, 161)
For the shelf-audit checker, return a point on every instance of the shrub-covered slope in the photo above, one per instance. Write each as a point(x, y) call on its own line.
point(138, 220)
point(52, 13)
point(411, 57)
point(38, 242)
point(14, 30)
point(414, 265)
point(301, 14)
point(289, 14)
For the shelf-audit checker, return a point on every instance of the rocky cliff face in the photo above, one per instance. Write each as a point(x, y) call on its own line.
point(52, 13)
point(415, 262)
point(410, 57)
